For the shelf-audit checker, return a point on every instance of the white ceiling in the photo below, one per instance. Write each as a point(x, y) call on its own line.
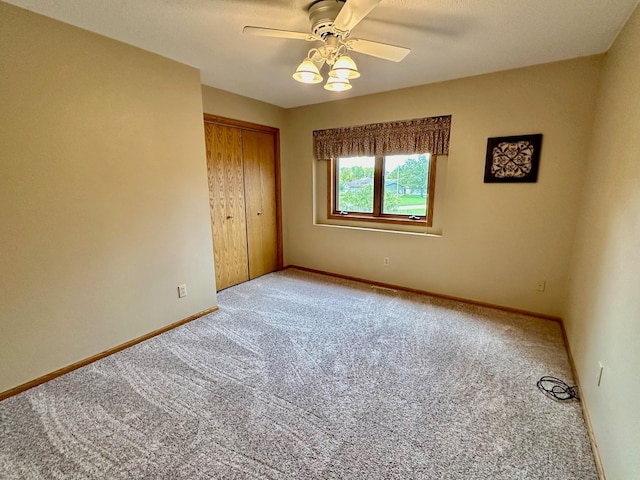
point(448, 38)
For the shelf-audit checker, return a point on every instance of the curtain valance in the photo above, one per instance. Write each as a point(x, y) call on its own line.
point(423, 135)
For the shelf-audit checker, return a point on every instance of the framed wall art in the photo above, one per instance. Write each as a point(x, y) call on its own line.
point(513, 159)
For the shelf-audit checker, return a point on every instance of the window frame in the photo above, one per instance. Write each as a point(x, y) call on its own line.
point(378, 185)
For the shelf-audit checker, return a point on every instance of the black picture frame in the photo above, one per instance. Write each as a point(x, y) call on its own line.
point(513, 159)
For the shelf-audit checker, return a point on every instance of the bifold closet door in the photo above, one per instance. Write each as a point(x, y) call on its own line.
point(227, 202)
point(260, 197)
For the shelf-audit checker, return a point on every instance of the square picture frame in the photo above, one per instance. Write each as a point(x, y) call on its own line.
point(513, 159)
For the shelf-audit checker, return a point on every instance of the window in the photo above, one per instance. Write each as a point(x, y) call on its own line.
point(392, 188)
point(377, 172)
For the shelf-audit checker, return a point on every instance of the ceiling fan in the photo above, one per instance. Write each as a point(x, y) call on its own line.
point(331, 23)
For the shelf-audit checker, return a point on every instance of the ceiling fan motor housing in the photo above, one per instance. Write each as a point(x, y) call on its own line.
point(322, 14)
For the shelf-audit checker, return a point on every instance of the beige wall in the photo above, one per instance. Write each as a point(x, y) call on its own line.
point(497, 240)
point(603, 310)
point(103, 192)
point(226, 104)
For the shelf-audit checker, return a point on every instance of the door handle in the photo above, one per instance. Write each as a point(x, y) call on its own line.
point(229, 216)
point(259, 213)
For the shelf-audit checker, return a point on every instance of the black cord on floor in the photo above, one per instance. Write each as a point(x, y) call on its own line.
point(557, 389)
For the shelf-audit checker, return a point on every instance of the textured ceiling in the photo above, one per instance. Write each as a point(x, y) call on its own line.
point(448, 38)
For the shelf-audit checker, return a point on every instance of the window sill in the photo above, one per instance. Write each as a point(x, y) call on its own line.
point(414, 230)
point(391, 221)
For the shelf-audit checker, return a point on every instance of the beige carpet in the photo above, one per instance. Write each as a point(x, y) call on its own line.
point(301, 376)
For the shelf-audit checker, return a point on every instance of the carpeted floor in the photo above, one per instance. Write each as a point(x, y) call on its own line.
point(301, 376)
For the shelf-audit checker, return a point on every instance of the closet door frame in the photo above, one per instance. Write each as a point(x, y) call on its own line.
point(230, 122)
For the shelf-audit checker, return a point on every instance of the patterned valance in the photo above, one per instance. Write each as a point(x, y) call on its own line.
point(423, 135)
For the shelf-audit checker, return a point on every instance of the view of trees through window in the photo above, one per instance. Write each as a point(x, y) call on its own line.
point(355, 184)
point(405, 187)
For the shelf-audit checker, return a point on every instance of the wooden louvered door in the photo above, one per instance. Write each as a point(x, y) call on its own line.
point(226, 201)
point(242, 166)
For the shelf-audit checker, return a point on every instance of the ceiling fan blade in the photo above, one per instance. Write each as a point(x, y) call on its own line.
point(272, 32)
point(352, 12)
point(377, 49)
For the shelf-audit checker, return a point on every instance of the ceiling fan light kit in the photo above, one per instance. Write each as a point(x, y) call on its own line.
point(331, 24)
point(342, 68)
point(334, 54)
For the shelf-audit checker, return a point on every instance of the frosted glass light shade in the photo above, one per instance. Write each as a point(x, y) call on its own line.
point(344, 67)
point(337, 84)
point(307, 72)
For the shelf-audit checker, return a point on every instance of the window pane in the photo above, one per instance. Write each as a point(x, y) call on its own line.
point(405, 184)
point(355, 184)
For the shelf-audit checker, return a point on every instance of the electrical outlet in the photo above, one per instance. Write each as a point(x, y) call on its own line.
point(182, 291)
point(542, 284)
point(600, 372)
point(385, 261)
